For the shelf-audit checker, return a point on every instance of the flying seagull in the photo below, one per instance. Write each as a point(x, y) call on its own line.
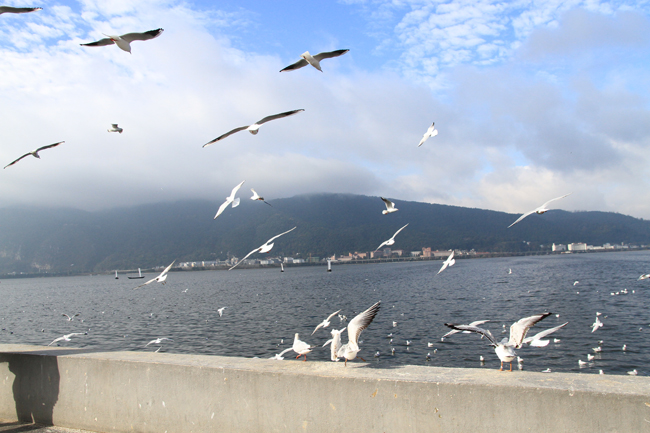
point(360, 322)
point(325, 323)
point(115, 128)
point(124, 41)
point(34, 153)
point(540, 210)
point(12, 10)
point(450, 261)
point(390, 206)
point(308, 59)
point(256, 196)
point(431, 132)
point(455, 331)
point(536, 340)
point(390, 241)
point(254, 128)
point(505, 349)
point(67, 337)
point(160, 278)
point(71, 318)
point(279, 356)
point(263, 249)
point(230, 199)
point(157, 341)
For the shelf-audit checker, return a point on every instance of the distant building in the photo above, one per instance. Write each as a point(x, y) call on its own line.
point(579, 246)
point(398, 252)
point(558, 247)
point(441, 253)
point(426, 252)
point(416, 253)
point(376, 254)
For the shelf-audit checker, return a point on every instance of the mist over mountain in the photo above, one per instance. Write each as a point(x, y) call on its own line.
point(62, 240)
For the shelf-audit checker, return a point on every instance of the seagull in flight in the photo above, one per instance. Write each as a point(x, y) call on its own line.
point(157, 341)
point(360, 322)
point(308, 59)
point(536, 340)
point(254, 128)
point(644, 277)
point(70, 318)
point(220, 311)
point(450, 261)
point(431, 132)
point(505, 349)
point(540, 210)
point(256, 196)
point(115, 128)
point(265, 248)
point(34, 153)
point(124, 41)
point(160, 278)
point(279, 356)
point(455, 331)
point(230, 199)
point(390, 206)
point(390, 241)
point(67, 337)
point(12, 10)
point(325, 323)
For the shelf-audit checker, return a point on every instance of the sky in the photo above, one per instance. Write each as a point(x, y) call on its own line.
point(532, 100)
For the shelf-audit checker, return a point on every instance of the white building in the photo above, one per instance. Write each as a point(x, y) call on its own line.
point(579, 246)
point(559, 247)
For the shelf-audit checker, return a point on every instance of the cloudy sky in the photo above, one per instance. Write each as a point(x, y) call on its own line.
point(532, 100)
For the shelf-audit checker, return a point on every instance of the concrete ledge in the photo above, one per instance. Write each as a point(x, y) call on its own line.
point(158, 392)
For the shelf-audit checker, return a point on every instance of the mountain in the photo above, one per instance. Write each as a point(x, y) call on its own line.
point(68, 240)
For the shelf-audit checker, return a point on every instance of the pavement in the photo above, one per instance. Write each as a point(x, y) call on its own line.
point(21, 427)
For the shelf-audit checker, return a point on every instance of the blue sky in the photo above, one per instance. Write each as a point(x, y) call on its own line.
point(532, 100)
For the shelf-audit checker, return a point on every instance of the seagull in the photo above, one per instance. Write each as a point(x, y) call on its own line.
point(391, 241)
point(540, 210)
point(220, 311)
point(12, 10)
point(124, 41)
point(263, 249)
point(300, 347)
point(575, 283)
point(160, 278)
point(157, 341)
point(70, 318)
point(597, 324)
point(505, 349)
point(256, 196)
point(536, 340)
point(429, 344)
point(394, 324)
point(590, 357)
point(455, 331)
point(325, 323)
point(67, 337)
point(335, 343)
point(390, 206)
point(597, 349)
point(581, 363)
point(431, 132)
point(230, 199)
point(448, 262)
point(360, 322)
point(644, 277)
point(34, 153)
point(115, 128)
point(308, 59)
point(548, 370)
point(254, 128)
point(633, 372)
point(278, 356)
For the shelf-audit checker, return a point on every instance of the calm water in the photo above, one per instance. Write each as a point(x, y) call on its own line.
point(265, 306)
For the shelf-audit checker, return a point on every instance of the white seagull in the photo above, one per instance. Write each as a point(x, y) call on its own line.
point(160, 278)
point(644, 277)
point(220, 311)
point(325, 323)
point(360, 322)
point(70, 318)
point(230, 199)
point(34, 153)
point(254, 128)
point(448, 262)
point(335, 342)
point(597, 324)
point(115, 128)
point(540, 210)
point(256, 196)
point(124, 41)
point(300, 347)
point(391, 241)
point(505, 349)
point(431, 132)
point(390, 206)
point(536, 340)
point(67, 337)
point(263, 249)
point(455, 331)
point(157, 341)
point(12, 10)
point(278, 356)
point(308, 59)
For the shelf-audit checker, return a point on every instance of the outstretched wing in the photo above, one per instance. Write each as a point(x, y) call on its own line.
point(12, 10)
point(49, 146)
point(540, 335)
point(520, 328)
point(167, 269)
point(245, 257)
point(227, 134)
point(361, 322)
point(144, 36)
point(487, 334)
point(12, 163)
point(399, 231)
point(521, 218)
point(329, 54)
point(278, 116)
point(99, 43)
point(223, 207)
point(275, 237)
point(299, 64)
point(144, 284)
point(550, 201)
point(389, 204)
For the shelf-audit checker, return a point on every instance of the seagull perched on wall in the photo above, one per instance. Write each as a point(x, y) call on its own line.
point(308, 59)
point(540, 210)
point(34, 153)
point(12, 10)
point(254, 128)
point(160, 278)
point(431, 132)
point(505, 349)
point(390, 241)
point(300, 347)
point(230, 199)
point(124, 41)
point(115, 128)
point(265, 248)
point(390, 206)
point(360, 322)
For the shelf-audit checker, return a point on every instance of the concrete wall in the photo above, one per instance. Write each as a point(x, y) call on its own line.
point(157, 392)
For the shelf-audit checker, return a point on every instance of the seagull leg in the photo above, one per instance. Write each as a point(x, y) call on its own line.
point(501, 369)
point(298, 356)
point(511, 366)
point(363, 359)
point(304, 360)
point(345, 364)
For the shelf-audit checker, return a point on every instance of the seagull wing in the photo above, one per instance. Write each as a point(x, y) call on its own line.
point(144, 284)
point(245, 257)
point(12, 163)
point(167, 269)
point(144, 36)
point(12, 10)
point(329, 54)
point(255, 196)
point(227, 134)
point(99, 43)
point(361, 322)
point(275, 237)
point(547, 203)
point(399, 231)
point(278, 116)
point(520, 328)
point(540, 335)
point(521, 218)
point(299, 64)
point(234, 191)
point(487, 334)
point(49, 146)
point(55, 340)
point(222, 208)
point(430, 133)
point(332, 315)
point(382, 244)
point(285, 351)
point(389, 204)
